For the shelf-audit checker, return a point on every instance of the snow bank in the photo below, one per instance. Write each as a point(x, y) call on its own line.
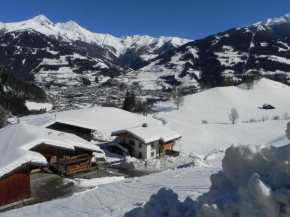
point(164, 203)
point(166, 162)
point(93, 182)
point(254, 182)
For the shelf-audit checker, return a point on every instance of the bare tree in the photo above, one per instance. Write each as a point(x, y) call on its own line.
point(286, 116)
point(179, 99)
point(234, 115)
point(3, 117)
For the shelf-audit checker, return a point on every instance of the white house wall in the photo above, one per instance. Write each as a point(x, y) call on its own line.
point(154, 149)
point(145, 149)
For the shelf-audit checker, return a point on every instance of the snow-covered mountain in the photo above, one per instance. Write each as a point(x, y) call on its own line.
point(225, 58)
point(275, 21)
point(147, 47)
point(63, 53)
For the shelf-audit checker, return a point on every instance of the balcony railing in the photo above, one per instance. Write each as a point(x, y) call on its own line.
point(166, 145)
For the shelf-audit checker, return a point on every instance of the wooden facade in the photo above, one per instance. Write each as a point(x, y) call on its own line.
point(128, 136)
point(64, 161)
point(166, 145)
point(15, 187)
point(67, 128)
point(167, 148)
point(73, 165)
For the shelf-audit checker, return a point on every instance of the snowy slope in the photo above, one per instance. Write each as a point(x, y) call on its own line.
point(274, 21)
point(214, 105)
point(225, 58)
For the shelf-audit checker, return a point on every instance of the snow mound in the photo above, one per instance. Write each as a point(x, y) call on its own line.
point(254, 182)
point(166, 162)
point(164, 203)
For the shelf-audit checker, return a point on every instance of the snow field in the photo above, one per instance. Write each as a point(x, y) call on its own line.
point(38, 106)
point(214, 106)
point(253, 177)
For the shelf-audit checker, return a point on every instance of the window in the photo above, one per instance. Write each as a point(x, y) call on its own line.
point(140, 145)
point(152, 145)
point(140, 154)
point(153, 154)
point(131, 142)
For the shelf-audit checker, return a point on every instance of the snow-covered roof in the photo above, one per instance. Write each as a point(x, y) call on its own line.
point(151, 133)
point(17, 140)
point(104, 119)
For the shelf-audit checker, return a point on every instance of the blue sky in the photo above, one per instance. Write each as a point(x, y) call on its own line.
point(192, 19)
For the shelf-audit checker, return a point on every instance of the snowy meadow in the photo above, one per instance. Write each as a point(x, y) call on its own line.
point(224, 169)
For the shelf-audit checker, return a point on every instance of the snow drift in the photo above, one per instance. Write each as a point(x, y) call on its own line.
point(254, 181)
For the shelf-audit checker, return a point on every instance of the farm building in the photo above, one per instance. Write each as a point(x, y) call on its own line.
point(25, 147)
point(85, 122)
point(147, 141)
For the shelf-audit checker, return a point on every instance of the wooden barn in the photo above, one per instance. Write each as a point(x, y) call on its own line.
point(15, 186)
point(25, 147)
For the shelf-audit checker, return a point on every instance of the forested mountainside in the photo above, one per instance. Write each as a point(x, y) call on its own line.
point(15, 91)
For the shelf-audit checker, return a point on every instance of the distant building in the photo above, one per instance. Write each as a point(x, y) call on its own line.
point(147, 141)
point(268, 106)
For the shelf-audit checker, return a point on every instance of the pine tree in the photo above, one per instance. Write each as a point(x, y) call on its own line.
point(126, 104)
point(3, 117)
point(129, 102)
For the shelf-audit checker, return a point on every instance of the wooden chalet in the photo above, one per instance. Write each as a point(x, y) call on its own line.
point(25, 148)
point(64, 161)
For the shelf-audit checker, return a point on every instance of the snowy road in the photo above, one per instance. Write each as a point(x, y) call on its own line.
point(118, 198)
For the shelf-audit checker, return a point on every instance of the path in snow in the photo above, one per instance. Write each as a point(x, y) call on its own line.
point(118, 198)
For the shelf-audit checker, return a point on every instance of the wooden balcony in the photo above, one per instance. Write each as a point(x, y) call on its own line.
point(73, 165)
point(166, 146)
point(75, 159)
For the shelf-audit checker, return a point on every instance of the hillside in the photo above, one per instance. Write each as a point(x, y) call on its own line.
point(214, 106)
point(225, 58)
point(14, 92)
point(193, 179)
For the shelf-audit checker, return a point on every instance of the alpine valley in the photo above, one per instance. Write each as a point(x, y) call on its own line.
point(67, 55)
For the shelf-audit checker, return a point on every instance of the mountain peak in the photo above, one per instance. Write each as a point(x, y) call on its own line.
point(68, 26)
point(42, 20)
point(269, 22)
